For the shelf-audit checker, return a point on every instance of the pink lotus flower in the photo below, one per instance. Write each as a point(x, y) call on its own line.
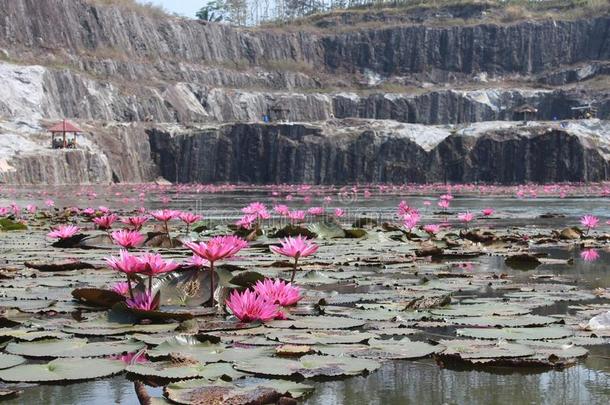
point(105, 222)
point(316, 211)
point(411, 219)
point(49, 203)
point(432, 229)
point(198, 262)
point(589, 221)
point(122, 287)
point(296, 248)
point(589, 255)
point(127, 239)
point(339, 213)
point(444, 204)
point(144, 301)
point(125, 263)
point(136, 222)
point(89, 212)
point(4, 211)
point(165, 215)
point(249, 307)
point(404, 208)
point(64, 232)
point(31, 208)
point(247, 221)
point(103, 210)
point(282, 209)
point(466, 216)
point(130, 358)
point(258, 209)
point(488, 212)
point(154, 264)
point(189, 218)
point(278, 292)
point(217, 248)
point(296, 216)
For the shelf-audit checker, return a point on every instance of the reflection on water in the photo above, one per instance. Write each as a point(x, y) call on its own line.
point(423, 382)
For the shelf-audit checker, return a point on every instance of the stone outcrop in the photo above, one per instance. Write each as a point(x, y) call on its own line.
point(363, 151)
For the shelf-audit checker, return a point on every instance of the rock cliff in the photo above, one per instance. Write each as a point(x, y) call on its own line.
point(353, 83)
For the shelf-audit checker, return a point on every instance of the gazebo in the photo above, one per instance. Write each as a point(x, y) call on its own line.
point(526, 110)
point(64, 127)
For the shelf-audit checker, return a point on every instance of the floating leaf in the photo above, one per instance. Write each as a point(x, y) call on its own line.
point(308, 366)
point(473, 349)
point(317, 322)
point(98, 297)
point(10, 360)
point(505, 321)
point(62, 370)
point(484, 309)
point(242, 392)
point(320, 337)
point(171, 371)
point(72, 348)
point(548, 332)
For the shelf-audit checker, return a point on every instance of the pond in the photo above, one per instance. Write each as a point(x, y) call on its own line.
point(367, 280)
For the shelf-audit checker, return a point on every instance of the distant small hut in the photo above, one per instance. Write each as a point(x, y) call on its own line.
point(525, 112)
point(584, 112)
point(61, 130)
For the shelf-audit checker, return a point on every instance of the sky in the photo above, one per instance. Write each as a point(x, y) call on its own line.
point(186, 8)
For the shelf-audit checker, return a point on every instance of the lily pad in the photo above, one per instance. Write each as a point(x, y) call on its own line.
point(504, 321)
point(98, 297)
point(242, 392)
point(473, 349)
point(308, 366)
point(72, 348)
point(172, 371)
point(386, 349)
point(317, 322)
point(483, 309)
point(540, 333)
point(10, 360)
point(320, 337)
point(62, 370)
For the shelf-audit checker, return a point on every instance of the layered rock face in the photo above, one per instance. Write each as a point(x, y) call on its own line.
point(128, 77)
point(363, 151)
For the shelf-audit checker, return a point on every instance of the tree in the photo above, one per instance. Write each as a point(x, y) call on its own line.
point(213, 11)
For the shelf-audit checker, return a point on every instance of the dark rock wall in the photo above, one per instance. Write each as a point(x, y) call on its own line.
point(301, 154)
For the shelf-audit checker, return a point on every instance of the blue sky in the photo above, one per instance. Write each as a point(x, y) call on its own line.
point(187, 8)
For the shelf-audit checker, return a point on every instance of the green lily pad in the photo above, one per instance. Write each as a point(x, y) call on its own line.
point(317, 322)
point(103, 327)
point(308, 366)
point(474, 349)
point(32, 335)
point(385, 349)
point(172, 371)
point(320, 337)
point(72, 348)
point(484, 309)
point(547, 332)
point(62, 370)
point(242, 392)
point(504, 321)
point(10, 360)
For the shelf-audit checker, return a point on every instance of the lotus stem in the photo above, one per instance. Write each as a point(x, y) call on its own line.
point(294, 269)
point(212, 283)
